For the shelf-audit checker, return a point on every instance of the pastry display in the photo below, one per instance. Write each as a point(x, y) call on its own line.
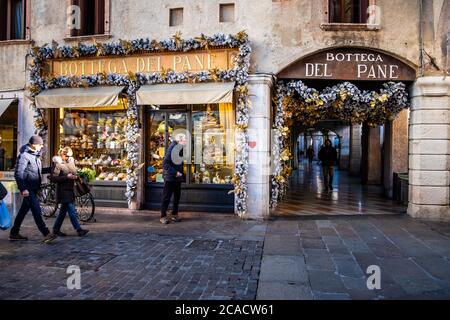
point(211, 164)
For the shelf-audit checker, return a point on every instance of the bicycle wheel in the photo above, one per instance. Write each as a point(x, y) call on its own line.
point(47, 199)
point(85, 207)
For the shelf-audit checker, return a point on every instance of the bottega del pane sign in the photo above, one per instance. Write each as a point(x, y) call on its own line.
point(147, 63)
point(349, 64)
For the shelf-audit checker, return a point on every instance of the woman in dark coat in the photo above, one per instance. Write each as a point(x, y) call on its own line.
point(64, 174)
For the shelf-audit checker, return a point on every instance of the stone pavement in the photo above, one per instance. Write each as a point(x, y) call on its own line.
point(216, 256)
point(327, 258)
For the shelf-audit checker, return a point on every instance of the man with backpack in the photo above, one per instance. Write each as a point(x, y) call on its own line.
point(28, 174)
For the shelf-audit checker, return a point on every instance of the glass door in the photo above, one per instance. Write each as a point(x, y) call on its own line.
point(162, 126)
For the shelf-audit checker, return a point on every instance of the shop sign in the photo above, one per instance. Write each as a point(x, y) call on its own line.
point(349, 64)
point(147, 63)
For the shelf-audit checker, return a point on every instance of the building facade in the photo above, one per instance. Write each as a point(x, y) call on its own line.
point(290, 40)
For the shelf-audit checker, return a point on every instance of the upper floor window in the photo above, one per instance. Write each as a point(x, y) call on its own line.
point(12, 19)
point(92, 18)
point(175, 17)
point(226, 12)
point(348, 11)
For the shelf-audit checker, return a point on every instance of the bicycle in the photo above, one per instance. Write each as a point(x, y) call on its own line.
point(85, 204)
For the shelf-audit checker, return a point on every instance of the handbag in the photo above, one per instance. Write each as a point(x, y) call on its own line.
point(5, 217)
point(81, 188)
point(3, 191)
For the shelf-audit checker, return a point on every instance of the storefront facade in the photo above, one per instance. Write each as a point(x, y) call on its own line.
point(85, 104)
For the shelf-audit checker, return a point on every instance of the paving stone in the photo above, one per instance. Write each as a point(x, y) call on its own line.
point(283, 269)
point(282, 245)
point(331, 296)
point(436, 267)
point(326, 282)
point(357, 288)
point(347, 266)
point(312, 244)
point(283, 291)
point(319, 262)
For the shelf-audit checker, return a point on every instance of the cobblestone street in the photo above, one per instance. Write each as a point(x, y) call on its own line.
point(215, 256)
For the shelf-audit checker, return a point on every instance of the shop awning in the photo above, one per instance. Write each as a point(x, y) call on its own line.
point(79, 97)
point(185, 93)
point(4, 104)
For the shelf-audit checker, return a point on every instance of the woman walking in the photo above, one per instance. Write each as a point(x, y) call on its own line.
point(64, 174)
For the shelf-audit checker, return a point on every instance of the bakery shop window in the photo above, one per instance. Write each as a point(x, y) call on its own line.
point(97, 137)
point(8, 137)
point(211, 130)
point(213, 143)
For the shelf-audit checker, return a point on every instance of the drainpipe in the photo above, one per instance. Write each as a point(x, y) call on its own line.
point(421, 22)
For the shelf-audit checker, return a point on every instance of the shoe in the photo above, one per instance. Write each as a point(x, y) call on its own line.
point(49, 238)
point(164, 220)
point(59, 234)
point(175, 218)
point(331, 188)
point(82, 232)
point(17, 237)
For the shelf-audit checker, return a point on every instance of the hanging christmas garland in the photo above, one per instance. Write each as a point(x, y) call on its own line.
point(344, 102)
point(239, 74)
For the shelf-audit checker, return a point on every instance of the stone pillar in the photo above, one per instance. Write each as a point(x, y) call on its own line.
point(345, 148)
point(260, 125)
point(374, 156)
point(355, 150)
point(395, 150)
point(429, 149)
point(139, 202)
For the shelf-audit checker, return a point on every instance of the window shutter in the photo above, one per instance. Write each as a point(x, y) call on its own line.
point(363, 15)
point(75, 32)
point(99, 16)
point(3, 18)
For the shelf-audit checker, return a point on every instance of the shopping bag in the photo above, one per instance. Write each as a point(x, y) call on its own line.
point(81, 188)
point(5, 217)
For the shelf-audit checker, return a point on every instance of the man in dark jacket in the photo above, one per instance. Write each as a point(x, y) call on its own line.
point(173, 177)
point(328, 157)
point(28, 174)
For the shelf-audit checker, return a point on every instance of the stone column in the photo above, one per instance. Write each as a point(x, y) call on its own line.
point(355, 150)
point(260, 125)
point(395, 150)
point(139, 202)
point(344, 160)
point(429, 149)
point(374, 156)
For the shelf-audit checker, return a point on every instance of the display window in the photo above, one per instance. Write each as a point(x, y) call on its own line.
point(211, 151)
point(8, 138)
point(97, 137)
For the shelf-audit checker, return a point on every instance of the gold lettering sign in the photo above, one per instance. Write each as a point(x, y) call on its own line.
point(147, 63)
point(349, 64)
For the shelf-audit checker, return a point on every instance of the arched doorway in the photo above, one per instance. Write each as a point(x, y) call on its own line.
point(372, 147)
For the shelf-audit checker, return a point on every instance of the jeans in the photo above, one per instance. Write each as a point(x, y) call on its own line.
point(170, 187)
point(67, 208)
point(328, 172)
point(30, 203)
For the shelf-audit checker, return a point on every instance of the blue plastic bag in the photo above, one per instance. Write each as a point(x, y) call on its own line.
point(5, 217)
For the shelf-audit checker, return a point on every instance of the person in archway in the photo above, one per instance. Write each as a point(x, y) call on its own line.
point(310, 154)
point(328, 157)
